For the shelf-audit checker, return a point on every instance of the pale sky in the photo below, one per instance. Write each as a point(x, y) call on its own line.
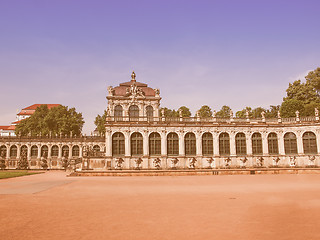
point(236, 53)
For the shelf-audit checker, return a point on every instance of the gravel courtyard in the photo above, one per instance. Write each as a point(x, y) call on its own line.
point(53, 206)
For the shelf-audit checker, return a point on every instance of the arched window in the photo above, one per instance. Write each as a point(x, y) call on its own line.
point(136, 144)
point(309, 143)
point(290, 143)
point(273, 148)
point(118, 113)
point(190, 144)
point(3, 151)
point(34, 151)
point(256, 144)
point(96, 148)
point(54, 151)
point(44, 151)
point(13, 151)
point(149, 110)
point(23, 148)
point(154, 144)
point(118, 144)
point(134, 113)
point(75, 151)
point(241, 146)
point(173, 144)
point(65, 151)
point(224, 144)
point(207, 144)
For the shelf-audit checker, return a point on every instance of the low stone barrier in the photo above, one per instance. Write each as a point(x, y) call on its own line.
point(188, 172)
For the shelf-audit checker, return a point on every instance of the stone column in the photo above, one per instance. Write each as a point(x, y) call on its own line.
point(108, 144)
point(127, 144)
point(198, 144)
point(265, 151)
point(70, 151)
point(39, 151)
point(60, 151)
point(248, 143)
point(8, 151)
point(163, 143)
point(317, 132)
point(215, 143)
point(299, 142)
point(232, 136)
point(145, 143)
point(18, 150)
point(49, 150)
point(181, 144)
point(28, 152)
point(80, 150)
point(281, 143)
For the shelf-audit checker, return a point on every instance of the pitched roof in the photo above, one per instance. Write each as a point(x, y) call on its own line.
point(4, 127)
point(31, 109)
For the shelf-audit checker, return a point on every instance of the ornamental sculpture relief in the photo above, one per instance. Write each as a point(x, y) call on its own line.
point(312, 160)
point(157, 163)
point(174, 162)
point(119, 163)
point(292, 161)
point(243, 162)
point(227, 162)
point(138, 163)
point(276, 161)
point(211, 163)
point(260, 162)
point(133, 91)
point(192, 163)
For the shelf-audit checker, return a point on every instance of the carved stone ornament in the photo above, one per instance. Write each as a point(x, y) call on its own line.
point(174, 162)
point(157, 163)
point(133, 91)
point(110, 91)
point(293, 161)
point(192, 163)
point(211, 163)
point(276, 160)
point(119, 163)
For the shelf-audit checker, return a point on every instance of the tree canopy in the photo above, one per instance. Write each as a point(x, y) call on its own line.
point(57, 120)
point(205, 111)
point(224, 112)
point(100, 123)
point(175, 113)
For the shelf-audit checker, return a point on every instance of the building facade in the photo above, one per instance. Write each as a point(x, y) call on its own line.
point(139, 136)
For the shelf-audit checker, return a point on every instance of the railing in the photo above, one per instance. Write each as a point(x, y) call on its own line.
point(53, 138)
point(210, 120)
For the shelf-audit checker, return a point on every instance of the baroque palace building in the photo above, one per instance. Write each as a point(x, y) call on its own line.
point(139, 136)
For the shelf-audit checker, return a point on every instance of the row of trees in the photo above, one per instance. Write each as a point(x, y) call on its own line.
point(301, 96)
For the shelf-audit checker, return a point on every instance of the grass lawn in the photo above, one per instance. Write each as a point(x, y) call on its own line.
point(11, 174)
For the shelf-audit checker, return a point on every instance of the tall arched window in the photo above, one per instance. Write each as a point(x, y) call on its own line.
point(207, 144)
point(290, 143)
point(118, 113)
point(136, 144)
point(118, 144)
point(75, 151)
point(173, 144)
point(134, 113)
point(54, 151)
point(241, 146)
point(256, 144)
point(149, 110)
point(3, 151)
point(44, 151)
point(309, 143)
point(190, 144)
point(273, 148)
point(34, 151)
point(13, 151)
point(96, 148)
point(224, 144)
point(154, 144)
point(65, 151)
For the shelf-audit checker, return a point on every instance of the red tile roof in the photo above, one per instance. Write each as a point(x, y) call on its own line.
point(31, 109)
point(122, 88)
point(4, 127)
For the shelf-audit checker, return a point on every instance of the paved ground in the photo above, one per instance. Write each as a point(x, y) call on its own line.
point(52, 206)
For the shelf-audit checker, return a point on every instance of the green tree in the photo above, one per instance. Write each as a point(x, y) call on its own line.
point(290, 106)
point(272, 112)
point(224, 112)
point(100, 123)
point(313, 78)
point(242, 113)
point(304, 92)
point(169, 112)
point(256, 113)
point(205, 111)
point(185, 111)
point(57, 120)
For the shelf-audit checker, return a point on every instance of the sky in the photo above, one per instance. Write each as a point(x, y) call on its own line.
point(215, 53)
